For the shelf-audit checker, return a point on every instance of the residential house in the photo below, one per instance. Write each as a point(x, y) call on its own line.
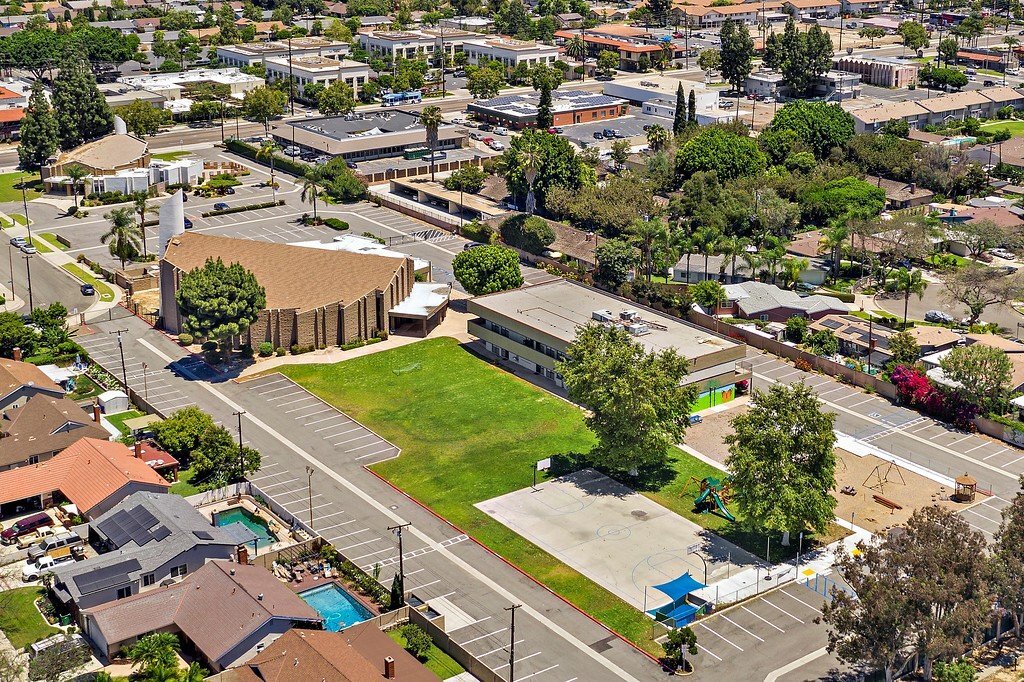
point(91, 473)
point(955, 106)
point(1014, 352)
point(569, 20)
point(935, 339)
point(41, 428)
point(226, 612)
point(20, 381)
point(359, 653)
point(899, 195)
point(873, 119)
point(769, 303)
point(858, 338)
point(149, 540)
point(812, 9)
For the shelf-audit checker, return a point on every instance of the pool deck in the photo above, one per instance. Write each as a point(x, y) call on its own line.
point(276, 526)
point(306, 585)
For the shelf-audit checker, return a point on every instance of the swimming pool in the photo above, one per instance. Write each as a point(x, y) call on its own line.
point(264, 538)
point(339, 608)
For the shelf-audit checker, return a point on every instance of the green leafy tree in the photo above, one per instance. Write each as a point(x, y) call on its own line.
point(801, 56)
point(708, 294)
point(737, 53)
point(796, 328)
point(466, 179)
point(783, 461)
point(820, 126)
point(397, 592)
point(607, 62)
point(264, 103)
point(955, 671)
point(39, 130)
point(976, 287)
point(904, 349)
point(15, 334)
point(141, 118)
point(691, 108)
point(484, 82)
point(417, 641)
point(909, 282)
point(217, 459)
point(34, 49)
point(914, 35)
point(841, 200)
point(983, 375)
point(896, 127)
point(528, 233)
point(948, 47)
point(180, 433)
point(337, 98)
point(615, 260)
point(678, 643)
point(158, 649)
point(823, 342)
point(709, 60)
point(219, 301)
point(639, 407)
point(123, 238)
point(942, 78)
point(551, 161)
point(487, 269)
point(716, 149)
point(872, 33)
point(1008, 560)
point(82, 111)
point(646, 234)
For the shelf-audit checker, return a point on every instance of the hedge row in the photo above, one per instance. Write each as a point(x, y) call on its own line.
point(247, 207)
point(281, 163)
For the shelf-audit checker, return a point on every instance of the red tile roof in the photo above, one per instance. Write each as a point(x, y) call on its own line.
point(8, 94)
point(86, 472)
point(11, 115)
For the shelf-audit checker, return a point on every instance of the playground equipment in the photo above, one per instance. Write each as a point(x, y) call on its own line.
point(966, 488)
point(713, 495)
point(879, 478)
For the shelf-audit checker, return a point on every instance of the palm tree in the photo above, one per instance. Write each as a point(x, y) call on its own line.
point(665, 58)
point(141, 201)
point(832, 242)
point(123, 235)
point(430, 118)
point(645, 234)
point(706, 240)
point(731, 248)
point(532, 157)
point(161, 673)
point(909, 282)
point(577, 49)
point(753, 261)
point(684, 244)
point(76, 174)
point(657, 138)
point(267, 151)
point(195, 673)
point(312, 186)
point(156, 650)
point(791, 270)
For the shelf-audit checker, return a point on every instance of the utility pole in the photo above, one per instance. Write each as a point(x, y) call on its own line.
point(241, 450)
point(10, 265)
point(24, 206)
point(397, 530)
point(145, 381)
point(120, 347)
point(291, 79)
point(309, 488)
point(28, 273)
point(512, 643)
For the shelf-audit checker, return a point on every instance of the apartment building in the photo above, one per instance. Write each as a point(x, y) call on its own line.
point(309, 69)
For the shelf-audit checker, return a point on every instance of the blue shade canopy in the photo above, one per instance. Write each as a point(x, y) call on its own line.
point(679, 587)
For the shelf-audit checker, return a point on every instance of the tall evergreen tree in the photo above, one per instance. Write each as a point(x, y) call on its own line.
point(545, 118)
point(82, 112)
point(679, 122)
point(737, 53)
point(691, 115)
point(38, 130)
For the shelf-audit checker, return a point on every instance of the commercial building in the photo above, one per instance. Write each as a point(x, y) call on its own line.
point(532, 327)
point(886, 73)
point(359, 137)
point(472, 24)
point(252, 54)
point(315, 297)
point(812, 9)
point(307, 69)
point(226, 611)
point(639, 90)
point(510, 52)
point(41, 428)
point(748, 13)
point(150, 539)
point(630, 50)
point(395, 44)
point(176, 86)
point(567, 107)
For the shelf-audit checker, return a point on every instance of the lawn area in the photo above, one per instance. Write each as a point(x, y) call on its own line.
point(41, 246)
point(102, 289)
point(437, 661)
point(20, 619)
point(183, 486)
point(1016, 128)
point(51, 241)
point(10, 186)
point(15, 218)
point(118, 420)
point(171, 156)
point(85, 388)
point(485, 429)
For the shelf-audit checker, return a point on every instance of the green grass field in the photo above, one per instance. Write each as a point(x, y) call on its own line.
point(171, 156)
point(118, 420)
point(473, 432)
point(10, 186)
point(183, 486)
point(103, 290)
point(437, 661)
point(51, 242)
point(1016, 128)
point(20, 620)
point(41, 245)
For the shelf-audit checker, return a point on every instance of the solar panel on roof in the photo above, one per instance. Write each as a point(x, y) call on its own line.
point(203, 534)
point(106, 577)
point(832, 324)
point(160, 532)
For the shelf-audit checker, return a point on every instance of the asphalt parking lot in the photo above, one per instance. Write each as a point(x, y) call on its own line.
point(631, 125)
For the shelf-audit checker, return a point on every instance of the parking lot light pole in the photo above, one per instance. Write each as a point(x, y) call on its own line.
point(309, 488)
point(241, 449)
point(397, 530)
point(145, 381)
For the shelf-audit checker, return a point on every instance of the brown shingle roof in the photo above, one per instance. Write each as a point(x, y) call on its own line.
point(14, 375)
point(42, 426)
point(897, 190)
point(295, 277)
point(112, 151)
point(355, 655)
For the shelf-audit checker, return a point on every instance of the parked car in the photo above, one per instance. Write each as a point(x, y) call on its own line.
point(188, 223)
point(696, 419)
point(598, 135)
point(472, 245)
point(27, 525)
point(938, 316)
point(984, 257)
point(47, 545)
point(18, 242)
point(28, 248)
point(220, 206)
point(1002, 253)
point(292, 151)
point(501, 130)
point(611, 133)
point(559, 130)
point(476, 135)
point(496, 146)
point(458, 121)
point(486, 127)
point(46, 564)
point(352, 165)
point(460, 74)
point(87, 290)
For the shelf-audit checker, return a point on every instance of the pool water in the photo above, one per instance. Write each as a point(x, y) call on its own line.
point(338, 608)
point(264, 538)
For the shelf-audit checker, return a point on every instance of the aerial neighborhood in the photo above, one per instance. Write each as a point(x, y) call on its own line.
point(502, 340)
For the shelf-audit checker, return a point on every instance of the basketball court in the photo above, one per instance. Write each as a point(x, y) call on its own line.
point(615, 536)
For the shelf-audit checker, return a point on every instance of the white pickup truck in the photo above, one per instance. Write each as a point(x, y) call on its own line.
point(46, 564)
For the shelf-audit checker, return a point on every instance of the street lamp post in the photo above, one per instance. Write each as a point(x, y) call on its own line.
point(309, 488)
point(24, 206)
point(241, 449)
point(397, 530)
point(145, 381)
point(28, 273)
point(10, 265)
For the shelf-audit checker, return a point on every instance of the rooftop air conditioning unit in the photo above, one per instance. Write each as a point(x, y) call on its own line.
point(629, 315)
point(603, 315)
point(637, 329)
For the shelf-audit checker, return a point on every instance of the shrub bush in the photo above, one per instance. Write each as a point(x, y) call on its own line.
point(185, 339)
point(209, 345)
point(803, 365)
point(280, 351)
point(300, 349)
point(336, 224)
point(266, 349)
point(246, 351)
point(213, 357)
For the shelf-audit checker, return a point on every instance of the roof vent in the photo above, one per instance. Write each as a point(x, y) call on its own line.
point(260, 596)
point(232, 571)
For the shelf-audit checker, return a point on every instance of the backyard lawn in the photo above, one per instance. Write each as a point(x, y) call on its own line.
point(20, 619)
point(474, 432)
point(118, 420)
point(183, 486)
point(437, 661)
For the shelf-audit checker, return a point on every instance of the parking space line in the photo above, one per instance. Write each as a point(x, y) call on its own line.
point(801, 601)
point(342, 433)
point(325, 419)
point(737, 646)
point(763, 620)
point(981, 516)
point(368, 445)
point(467, 625)
point(725, 617)
point(997, 452)
point(275, 390)
point(420, 587)
point(504, 647)
point(1014, 461)
point(311, 414)
point(303, 407)
point(355, 532)
point(297, 400)
point(765, 600)
point(324, 516)
point(379, 551)
point(975, 447)
point(332, 426)
point(290, 480)
point(304, 507)
point(358, 544)
point(321, 531)
point(822, 395)
point(523, 658)
point(372, 454)
point(351, 440)
point(477, 639)
point(709, 653)
point(286, 395)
